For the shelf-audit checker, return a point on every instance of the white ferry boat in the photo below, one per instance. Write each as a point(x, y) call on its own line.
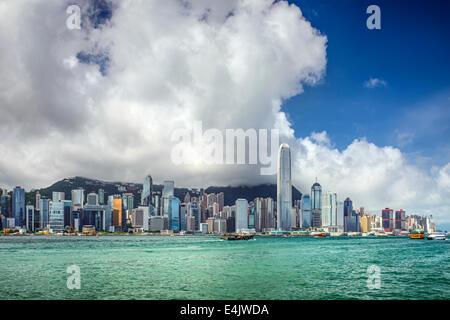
point(437, 236)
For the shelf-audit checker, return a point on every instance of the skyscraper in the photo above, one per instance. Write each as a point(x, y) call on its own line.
point(284, 188)
point(101, 196)
point(58, 196)
point(44, 206)
point(349, 224)
point(77, 199)
point(316, 199)
point(174, 213)
point(147, 191)
point(241, 214)
point(329, 209)
point(306, 211)
point(18, 206)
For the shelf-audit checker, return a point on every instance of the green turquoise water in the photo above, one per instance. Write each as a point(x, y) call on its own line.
point(205, 267)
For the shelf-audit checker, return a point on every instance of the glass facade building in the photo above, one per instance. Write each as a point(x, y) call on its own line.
point(284, 188)
point(306, 212)
point(174, 213)
point(56, 218)
point(18, 206)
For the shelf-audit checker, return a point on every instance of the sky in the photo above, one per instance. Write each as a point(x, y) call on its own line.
point(366, 112)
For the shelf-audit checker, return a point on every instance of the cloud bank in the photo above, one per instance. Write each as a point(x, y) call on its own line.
point(103, 101)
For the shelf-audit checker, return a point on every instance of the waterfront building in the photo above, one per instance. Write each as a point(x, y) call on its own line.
point(220, 225)
point(190, 223)
point(38, 199)
point(204, 228)
point(56, 216)
point(147, 191)
point(251, 215)
point(58, 196)
point(340, 215)
point(241, 214)
point(329, 209)
point(5, 205)
point(388, 219)
point(259, 205)
point(157, 223)
point(117, 212)
point(316, 218)
point(316, 198)
point(101, 196)
point(231, 224)
point(365, 224)
point(140, 218)
point(268, 214)
point(18, 206)
point(174, 213)
point(168, 191)
point(284, 188)
point(29, 217)
point(77, 199)
point(67, 213)
point(183, 216)
point(92, 199)
point(400, 219)
point(220, 199)
point(44, 207)
point(210, 222)
point(294, 218)
point(306, 212)
point(194, 210)
point(349, 220)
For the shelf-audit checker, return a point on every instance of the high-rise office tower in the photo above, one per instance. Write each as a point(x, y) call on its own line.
point(387, 216)
point(18, 206)
point(348, 218)
point(169, 187)
point(220, 199)
point(92, 199)
point(117, 211)
point(147, 191)
point(194, 210)
point(241, 214)
point(101, 196)
point(183, 216)
point(38, 199)
point(56, 216)
point(174, 213)
point(284, 188)
point(316, 197)
point(58, 196)
point(44, 207)
point(187, 198)
point(306, 212)
point(77, 199)
point(30, 217)
point(329, 209)
point(400, 219)
point(5, 205)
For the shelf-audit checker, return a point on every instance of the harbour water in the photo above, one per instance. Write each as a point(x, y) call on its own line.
point(206, 267)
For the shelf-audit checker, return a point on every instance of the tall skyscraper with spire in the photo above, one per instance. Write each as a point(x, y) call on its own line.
point(284, 188)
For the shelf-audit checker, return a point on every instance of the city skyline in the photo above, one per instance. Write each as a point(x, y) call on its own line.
point(351, 108)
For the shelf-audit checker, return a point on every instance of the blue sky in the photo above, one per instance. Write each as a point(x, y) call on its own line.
point(410, 54)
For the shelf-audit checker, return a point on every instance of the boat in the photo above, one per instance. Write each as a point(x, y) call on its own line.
point(417, 234)
point(436, 236)
point(318, 234)
point(236, 237)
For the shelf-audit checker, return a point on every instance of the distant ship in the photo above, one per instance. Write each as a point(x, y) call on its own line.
point(416, 234)
point(436, 236)
point(236, 237)
point(318, 234)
